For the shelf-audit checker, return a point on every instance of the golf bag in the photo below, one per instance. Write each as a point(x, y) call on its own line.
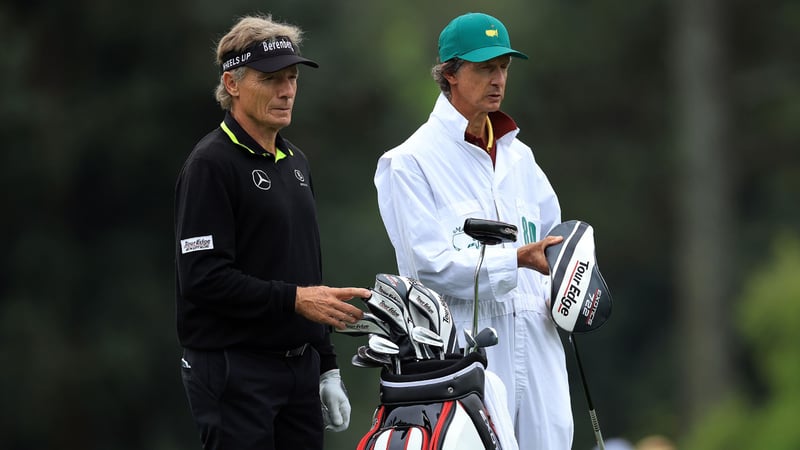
point(433, 405)
point(431, 391)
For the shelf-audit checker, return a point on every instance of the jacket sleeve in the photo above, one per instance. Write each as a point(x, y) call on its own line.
point(206, 275)
point(424, 245)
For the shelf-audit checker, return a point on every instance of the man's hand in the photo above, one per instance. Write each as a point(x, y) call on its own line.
point(531, 256)
point(335, 404)
point(327, 305)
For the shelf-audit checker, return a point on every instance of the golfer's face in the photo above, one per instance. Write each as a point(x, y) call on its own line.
point(479, 87)
point(267, 98)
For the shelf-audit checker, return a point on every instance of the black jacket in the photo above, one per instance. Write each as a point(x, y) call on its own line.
point(246, 236)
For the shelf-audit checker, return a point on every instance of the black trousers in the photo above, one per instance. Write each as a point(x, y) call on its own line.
point(244, 400)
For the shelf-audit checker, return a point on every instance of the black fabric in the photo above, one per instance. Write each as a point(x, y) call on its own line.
point(266, 56)
point(420, 387)
point(236, 288)
point(249, 401)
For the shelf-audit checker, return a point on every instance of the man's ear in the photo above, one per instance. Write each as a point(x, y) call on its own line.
point(450, 77)
point(231, 85)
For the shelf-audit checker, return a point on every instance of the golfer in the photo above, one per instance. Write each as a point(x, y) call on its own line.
point(252, 316)
point(466, 161)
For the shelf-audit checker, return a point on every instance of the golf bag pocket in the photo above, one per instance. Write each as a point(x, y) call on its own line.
point(433, 405)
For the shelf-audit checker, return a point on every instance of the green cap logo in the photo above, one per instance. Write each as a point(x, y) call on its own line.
point(475, 37)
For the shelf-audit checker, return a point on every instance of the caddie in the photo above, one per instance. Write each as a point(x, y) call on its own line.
point(467, 161)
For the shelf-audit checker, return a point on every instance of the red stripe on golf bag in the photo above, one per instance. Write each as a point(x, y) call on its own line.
point(441, 425)
point(376, 425)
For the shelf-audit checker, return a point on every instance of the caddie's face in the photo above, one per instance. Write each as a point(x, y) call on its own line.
point(266, 99)
point(479, 87)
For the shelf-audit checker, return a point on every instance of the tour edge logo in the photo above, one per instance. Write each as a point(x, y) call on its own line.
point(195, 244)
point(572, 294)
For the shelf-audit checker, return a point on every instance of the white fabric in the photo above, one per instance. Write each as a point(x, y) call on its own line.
point(427, 187)
point(335, 404)
point(494, 397)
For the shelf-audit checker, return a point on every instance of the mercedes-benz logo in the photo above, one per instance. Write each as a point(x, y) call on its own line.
point(299, 175)
point(261, 180)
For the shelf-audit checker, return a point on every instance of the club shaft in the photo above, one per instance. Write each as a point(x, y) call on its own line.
point(475, 307)
point(592, 414)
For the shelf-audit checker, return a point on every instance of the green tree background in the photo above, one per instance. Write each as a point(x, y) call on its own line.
point(102, 101)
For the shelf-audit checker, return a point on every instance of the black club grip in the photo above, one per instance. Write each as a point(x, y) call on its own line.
point(490, 232)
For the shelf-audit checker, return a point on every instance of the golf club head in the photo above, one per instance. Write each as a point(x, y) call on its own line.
point(421, 303)
point(385, 309)
point(360, 362)
point(369, 324)
point(429, 300)
point(367, 354)
point(580, 299)
point(469, 340)
point(490, 232)
point(394, 287)
point(382, 345)
point(487, 337)
point(379, 357)
point(425, 336)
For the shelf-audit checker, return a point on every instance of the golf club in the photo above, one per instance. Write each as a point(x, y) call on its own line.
point(386, 347)
point(369, 324)
point(582, 301)
point(368, 354)
point(429, 338)
point(382, 345)
point(469, 341)
point(360, 362)
point(487, 232)
point(592, 414)
point(385, 302)
point(487, 337)
point(419, 299)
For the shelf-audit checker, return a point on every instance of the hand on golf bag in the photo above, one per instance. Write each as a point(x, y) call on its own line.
point(335, 404)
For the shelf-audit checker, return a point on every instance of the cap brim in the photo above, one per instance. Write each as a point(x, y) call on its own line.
point(487, 53)
point(277, 63)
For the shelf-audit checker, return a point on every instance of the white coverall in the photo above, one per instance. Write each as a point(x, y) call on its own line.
point(427, 187)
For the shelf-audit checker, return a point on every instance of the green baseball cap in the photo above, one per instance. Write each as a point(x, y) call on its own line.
point(475, 37)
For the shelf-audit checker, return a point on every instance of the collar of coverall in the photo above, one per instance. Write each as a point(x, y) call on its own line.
point(502, 124)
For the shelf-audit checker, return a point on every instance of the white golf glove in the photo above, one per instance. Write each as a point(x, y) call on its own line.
point(335, 404)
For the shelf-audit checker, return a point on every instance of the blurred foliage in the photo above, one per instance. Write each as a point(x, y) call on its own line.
point(102, 101)
point(769, 319)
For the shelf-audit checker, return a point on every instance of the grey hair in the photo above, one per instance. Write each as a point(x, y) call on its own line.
point(441, 69)
point(246, 31)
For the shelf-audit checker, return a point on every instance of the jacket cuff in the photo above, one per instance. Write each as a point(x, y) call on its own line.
point(326, 363)
point(290, 299)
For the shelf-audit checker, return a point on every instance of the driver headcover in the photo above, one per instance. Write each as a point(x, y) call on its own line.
point(580, 299)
